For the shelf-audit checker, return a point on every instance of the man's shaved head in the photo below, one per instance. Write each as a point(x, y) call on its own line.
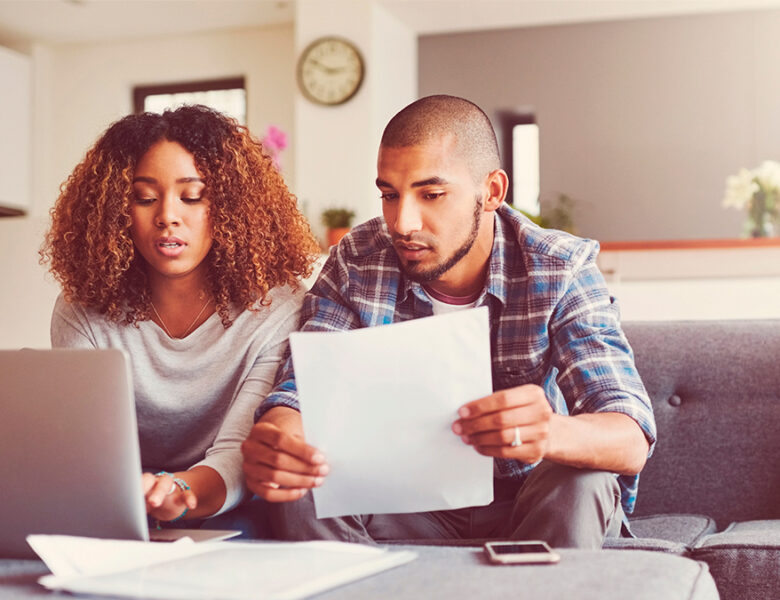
point(433, 117)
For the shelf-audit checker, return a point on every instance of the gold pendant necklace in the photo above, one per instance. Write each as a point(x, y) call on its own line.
point(186, 333)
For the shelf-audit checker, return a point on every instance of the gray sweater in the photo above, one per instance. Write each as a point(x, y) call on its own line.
point(195, 397)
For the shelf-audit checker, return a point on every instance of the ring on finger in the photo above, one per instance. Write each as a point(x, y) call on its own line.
point(516, 441)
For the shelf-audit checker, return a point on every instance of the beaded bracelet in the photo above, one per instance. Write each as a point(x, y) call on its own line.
point(182, 485)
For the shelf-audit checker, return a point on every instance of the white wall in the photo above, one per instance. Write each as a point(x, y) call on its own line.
point(336, 154)
point(79, 90)
point(640, 121)
point(90, 85)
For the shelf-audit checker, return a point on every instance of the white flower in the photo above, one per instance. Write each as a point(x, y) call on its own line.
point(740, 189)
point(768, 175)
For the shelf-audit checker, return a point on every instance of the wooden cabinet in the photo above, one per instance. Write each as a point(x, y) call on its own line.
point(694, 279)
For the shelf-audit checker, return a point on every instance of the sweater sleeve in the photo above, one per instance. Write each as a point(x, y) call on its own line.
point(224, 455)
point(69, 326)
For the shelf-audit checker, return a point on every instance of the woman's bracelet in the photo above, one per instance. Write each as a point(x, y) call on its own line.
point(182, 485)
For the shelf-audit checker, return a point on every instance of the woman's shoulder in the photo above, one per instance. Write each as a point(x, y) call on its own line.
point(282, 297)
point(280, 305)
point(72, 310)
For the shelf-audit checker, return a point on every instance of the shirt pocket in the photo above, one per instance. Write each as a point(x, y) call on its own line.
point(518, 373)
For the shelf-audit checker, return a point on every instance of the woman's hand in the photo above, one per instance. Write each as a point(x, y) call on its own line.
point(166, 499)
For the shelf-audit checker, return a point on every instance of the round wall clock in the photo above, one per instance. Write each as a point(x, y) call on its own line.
point(330, 71)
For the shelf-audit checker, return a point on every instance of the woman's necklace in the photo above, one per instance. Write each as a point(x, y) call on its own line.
point(184, 335)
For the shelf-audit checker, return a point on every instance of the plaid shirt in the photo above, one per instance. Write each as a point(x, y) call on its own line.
point(552, 321)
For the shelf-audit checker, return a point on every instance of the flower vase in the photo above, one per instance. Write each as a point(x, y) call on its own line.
point(761, 214)
point(335, 234)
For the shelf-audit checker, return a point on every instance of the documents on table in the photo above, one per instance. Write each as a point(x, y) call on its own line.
point(379, 403)
point(188, 571)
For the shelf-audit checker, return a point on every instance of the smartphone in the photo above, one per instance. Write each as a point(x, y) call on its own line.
point(519, 553)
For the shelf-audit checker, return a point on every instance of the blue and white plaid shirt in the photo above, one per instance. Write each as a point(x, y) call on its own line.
point(552, 321)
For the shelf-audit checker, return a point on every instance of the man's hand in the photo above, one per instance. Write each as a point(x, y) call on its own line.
point(491, 424)
point(278, 464)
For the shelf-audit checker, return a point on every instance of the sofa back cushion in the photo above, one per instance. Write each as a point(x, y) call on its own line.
point(715, 388)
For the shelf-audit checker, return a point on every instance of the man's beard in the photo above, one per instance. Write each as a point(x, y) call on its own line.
point(437, 271)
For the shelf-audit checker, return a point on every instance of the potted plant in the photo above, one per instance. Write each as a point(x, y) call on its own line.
point(338, 222)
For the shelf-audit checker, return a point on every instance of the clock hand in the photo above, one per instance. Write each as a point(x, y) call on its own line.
point(326, 68)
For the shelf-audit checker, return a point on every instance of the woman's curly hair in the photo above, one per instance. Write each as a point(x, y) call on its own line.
point(260, 238)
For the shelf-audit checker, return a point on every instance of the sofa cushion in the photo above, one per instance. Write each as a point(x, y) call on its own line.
point(465, 573)
point(744, 560)
point(684, 529)
point(654, 544)
point(715, 389)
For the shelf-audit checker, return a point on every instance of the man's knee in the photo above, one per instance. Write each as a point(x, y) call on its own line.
point(297, 521)
point(571, 485)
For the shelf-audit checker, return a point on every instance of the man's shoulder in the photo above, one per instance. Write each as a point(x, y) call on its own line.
point(538, 244)
point(367, 243)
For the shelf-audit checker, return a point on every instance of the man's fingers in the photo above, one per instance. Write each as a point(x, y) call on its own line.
point(260, 454)
point(278, 494)
point(531, 452)
point(262, 474)
point(505, 437)
point(505, 399)
point(501, 420)
point(272, 436)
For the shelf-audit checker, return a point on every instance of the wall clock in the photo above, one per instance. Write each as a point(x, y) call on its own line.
point(330, 71)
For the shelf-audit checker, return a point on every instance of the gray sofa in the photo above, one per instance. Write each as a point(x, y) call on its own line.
point(711, 490)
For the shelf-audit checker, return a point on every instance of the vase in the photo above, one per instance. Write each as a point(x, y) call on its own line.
point(766, 227)
point(335, 234)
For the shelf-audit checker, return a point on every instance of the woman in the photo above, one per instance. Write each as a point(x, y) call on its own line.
point(177, 240)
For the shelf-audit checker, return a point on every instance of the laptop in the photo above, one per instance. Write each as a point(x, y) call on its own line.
point(70, 462)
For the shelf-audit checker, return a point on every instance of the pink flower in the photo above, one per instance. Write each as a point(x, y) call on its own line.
point(275, 140)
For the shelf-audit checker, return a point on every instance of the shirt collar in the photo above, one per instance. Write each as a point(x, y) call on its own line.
point(497, 269)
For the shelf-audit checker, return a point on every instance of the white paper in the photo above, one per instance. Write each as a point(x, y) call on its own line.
point(228, 570)
point(68, 555)
point(379, 402)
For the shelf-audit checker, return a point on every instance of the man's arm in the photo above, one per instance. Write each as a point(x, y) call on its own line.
point(278, 465)
point(610, 425)
point(601, 441)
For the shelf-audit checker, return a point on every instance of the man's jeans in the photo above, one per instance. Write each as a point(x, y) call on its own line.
point(564, 506)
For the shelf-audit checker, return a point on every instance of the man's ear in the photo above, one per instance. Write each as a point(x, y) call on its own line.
point(497, 186)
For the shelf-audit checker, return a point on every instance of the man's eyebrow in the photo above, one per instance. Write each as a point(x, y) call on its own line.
point(430, 181)
point(180, 180)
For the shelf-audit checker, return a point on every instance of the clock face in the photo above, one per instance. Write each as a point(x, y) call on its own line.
point(330, 71)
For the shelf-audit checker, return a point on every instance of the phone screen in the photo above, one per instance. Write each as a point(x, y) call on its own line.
point(519, 548)
point(508, 553)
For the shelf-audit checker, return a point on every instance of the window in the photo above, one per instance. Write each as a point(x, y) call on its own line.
point(225, 95)
point(520, 134)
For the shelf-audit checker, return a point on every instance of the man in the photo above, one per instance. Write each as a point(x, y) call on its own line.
point(569, 424)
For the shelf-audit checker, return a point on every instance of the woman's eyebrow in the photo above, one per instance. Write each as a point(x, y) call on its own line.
point(143, 179)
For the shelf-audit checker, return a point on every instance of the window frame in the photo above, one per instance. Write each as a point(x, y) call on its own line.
point(140, 92)
point(508, 121)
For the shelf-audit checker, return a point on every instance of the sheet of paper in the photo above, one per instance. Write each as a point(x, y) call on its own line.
point(228, 570)
point(68, 555)
point(379, 403)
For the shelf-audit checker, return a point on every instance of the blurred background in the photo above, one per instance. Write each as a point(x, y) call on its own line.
point(621, 119)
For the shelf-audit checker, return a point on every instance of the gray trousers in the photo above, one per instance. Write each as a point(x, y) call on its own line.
point(564, 506)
